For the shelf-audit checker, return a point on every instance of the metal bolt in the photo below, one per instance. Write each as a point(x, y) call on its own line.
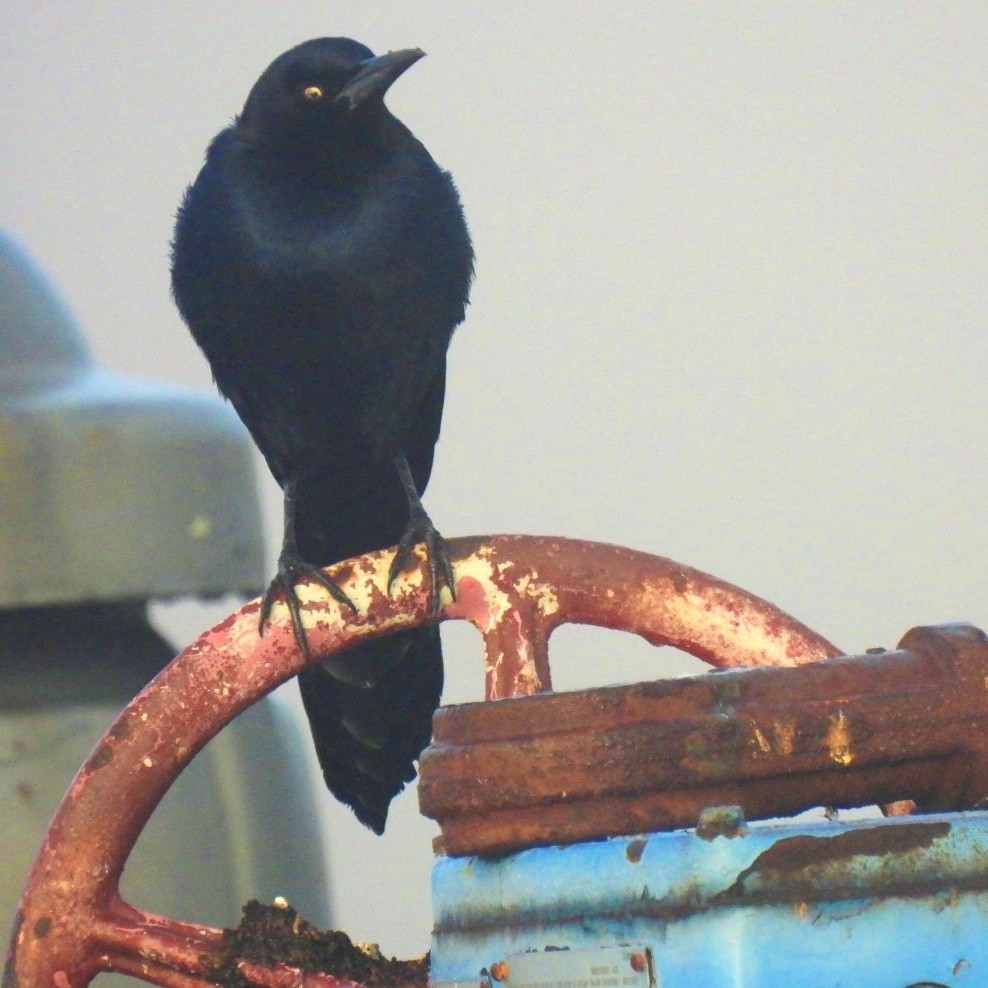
point(499, 970)
point(639, 962)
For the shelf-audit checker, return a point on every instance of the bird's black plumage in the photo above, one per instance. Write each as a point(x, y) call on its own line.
point(321, 261)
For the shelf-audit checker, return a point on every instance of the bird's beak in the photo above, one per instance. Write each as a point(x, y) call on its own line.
point(375, 76)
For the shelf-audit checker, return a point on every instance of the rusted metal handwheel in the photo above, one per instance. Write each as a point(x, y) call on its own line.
point(73, 923)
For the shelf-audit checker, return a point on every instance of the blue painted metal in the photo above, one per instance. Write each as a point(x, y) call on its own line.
point(865, 904)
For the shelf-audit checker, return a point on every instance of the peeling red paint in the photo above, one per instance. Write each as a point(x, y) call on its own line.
point(515, 589)
point(470, 604)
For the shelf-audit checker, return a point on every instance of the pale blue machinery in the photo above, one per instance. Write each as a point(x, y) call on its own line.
point(898, 903)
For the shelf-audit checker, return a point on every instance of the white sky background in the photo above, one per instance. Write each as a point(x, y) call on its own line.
point(730, 306)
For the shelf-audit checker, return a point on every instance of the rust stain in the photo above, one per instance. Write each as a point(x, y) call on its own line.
point(780, 739)
point(785, 736)
point(839, 740)
point(760, 739)
point(792, 861)
point(869, 841)
point(635, 849)
point(344, 573)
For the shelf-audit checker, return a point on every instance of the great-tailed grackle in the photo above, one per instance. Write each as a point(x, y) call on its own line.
point(321, 261)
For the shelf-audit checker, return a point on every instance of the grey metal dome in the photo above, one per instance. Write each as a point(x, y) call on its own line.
point(110, 488)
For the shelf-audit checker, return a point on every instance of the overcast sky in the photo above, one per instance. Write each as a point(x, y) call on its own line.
point(730, 302)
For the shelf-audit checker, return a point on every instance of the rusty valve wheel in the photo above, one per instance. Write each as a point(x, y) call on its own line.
point(73, 924)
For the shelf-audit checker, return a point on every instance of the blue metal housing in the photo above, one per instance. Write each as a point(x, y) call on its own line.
point(866, 904)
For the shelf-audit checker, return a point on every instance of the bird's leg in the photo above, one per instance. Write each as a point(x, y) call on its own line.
point(421, 529)
point(292, 568)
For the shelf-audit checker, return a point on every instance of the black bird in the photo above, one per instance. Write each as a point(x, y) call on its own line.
point(322, 262)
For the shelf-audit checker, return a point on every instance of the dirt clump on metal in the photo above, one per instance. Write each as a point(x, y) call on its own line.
point(276, 936)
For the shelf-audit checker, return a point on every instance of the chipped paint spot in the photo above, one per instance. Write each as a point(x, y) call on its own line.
point(545, 598)
point(526, 679)
point(785, 736)
point(147, 762)
point(839, 740)
point(760, 739)
point(317, 606)
point(780, 739)
point(487, 603)
point(101, 757)
point(239, 632)
point(635, 849)
point(510, 648)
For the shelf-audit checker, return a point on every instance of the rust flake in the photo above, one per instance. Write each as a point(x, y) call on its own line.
point(792, 861)
point(635, 849)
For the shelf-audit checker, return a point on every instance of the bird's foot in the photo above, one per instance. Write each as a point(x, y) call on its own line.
point(291, 569)
point(421, 529)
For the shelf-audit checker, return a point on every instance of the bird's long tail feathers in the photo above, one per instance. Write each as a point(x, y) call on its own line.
point(370, 709)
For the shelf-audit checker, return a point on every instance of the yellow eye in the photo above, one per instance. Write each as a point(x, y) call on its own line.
point(312, 93)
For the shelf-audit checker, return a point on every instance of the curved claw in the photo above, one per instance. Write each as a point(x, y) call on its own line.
point(290, 570)
point(421, 529)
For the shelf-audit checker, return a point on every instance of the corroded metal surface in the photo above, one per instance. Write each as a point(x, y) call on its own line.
point(517, 589)
point(559, 768)
point(809, 904)
point(73, 924)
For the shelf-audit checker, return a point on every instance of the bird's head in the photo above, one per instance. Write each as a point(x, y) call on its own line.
point(320, 89)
